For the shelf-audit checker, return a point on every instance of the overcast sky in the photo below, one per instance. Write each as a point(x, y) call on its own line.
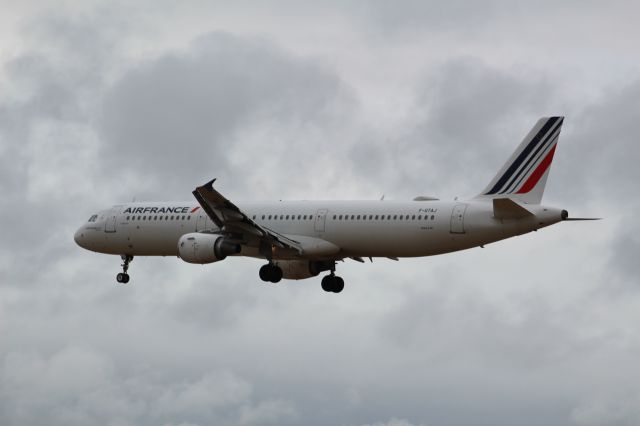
point(103, 102)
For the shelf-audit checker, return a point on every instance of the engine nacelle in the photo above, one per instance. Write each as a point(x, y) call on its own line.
point(301, 269)
point(205, 248)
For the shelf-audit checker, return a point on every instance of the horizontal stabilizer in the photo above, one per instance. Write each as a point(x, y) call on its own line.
point(506, 208)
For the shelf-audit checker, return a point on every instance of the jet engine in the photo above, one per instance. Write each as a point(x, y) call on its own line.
point(205, 248)
point(301, 269)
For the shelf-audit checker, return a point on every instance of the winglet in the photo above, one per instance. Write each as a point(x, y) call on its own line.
point(209, 185)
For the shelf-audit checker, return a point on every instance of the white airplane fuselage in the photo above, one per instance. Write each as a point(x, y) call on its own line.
point(357, 228)
point(300, 239)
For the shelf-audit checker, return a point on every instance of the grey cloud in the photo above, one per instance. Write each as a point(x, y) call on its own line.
point(215, 303)
point(35, 388)
point(405, 344)
point(623, 260)
point(442, 321)
point(174, 117)
point(392, 422)
point(599, 176)
point(619, 408)
point(607, 130)
point(415, 15)
point(471, 116)
point(46, 138)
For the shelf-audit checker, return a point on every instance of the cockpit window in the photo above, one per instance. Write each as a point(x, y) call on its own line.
point(93, 218)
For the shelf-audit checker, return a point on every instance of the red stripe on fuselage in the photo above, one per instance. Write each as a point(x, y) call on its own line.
point(537, 174)
point(195, 209)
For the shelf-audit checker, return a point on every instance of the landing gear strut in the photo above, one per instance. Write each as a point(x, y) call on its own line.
point(123, 277)
point(332, 283)
point(270, 273)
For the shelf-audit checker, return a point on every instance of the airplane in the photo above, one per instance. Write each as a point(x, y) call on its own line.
point(301, 239)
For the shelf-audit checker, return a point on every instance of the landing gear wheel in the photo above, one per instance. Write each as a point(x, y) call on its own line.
point(270, 273)
point(276, 274)
point(338, 284)
point(264, 273)
point(123, 277)
point(332, 284)
point(326, 283)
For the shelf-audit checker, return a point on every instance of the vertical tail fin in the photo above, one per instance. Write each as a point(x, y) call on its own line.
point(524, 176)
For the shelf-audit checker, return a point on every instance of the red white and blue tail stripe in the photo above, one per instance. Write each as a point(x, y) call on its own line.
point(524, 175)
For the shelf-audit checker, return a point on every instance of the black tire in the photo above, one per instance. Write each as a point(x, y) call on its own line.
point(326, 283)
point(276, 274)
point(120, 277)
point(125, 279)
point(338, 285)
point(265, 273)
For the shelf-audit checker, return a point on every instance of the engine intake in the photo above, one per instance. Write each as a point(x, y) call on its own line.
point(205, 248)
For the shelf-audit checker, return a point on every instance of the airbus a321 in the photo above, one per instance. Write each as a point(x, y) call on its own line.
point(302, 239)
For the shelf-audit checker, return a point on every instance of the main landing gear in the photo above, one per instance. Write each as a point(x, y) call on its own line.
point(123, 277)
point(332, 283)
point(270, 273)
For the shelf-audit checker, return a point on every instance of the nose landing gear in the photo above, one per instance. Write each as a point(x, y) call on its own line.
point(123, 277)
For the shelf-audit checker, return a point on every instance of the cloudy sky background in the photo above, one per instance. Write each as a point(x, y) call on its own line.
point(101, 102)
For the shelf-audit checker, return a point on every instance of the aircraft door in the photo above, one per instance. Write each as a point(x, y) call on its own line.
point(457, 218)
point(110, 221)
point(321, 218)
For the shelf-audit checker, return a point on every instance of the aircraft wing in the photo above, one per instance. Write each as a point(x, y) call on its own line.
point(231, 220)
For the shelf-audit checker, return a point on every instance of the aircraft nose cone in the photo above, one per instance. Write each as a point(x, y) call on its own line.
point(78, 237)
